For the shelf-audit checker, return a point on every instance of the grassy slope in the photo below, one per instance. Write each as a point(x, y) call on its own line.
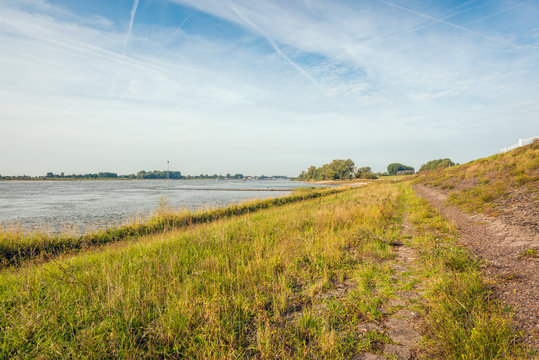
point(218, 290)
point(260, 285)
point(462, 320)
point(480, 184)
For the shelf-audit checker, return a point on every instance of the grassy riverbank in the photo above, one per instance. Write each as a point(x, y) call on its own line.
point(17, 246)
point(307, 279)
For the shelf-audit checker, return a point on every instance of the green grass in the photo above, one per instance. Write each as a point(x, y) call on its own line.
point(17, 246)
point(259, 285)
point(298, 281)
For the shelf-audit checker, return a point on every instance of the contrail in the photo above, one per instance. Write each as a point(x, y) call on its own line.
point(441, 21)
point(274, 45)
point(181, 26)
point(411, 30)
point(112, 87)
point(183, 22)
point(131, 21)
point(497, 13)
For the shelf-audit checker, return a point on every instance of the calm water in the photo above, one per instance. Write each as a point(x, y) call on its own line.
point(99, 204)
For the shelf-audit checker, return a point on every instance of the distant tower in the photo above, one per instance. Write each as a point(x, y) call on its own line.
point(168, 172)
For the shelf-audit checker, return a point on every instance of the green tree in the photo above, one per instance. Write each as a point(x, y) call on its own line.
point(394, 167)
point(343, 169)
point(336, 170)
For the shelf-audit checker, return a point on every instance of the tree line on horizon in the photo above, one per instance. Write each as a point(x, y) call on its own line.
point(340, 169)
point(142, 174)
point(155, 174)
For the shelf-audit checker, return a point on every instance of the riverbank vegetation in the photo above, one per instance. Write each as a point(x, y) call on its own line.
point(17, 246)
point(337, 170)
point(297, 279)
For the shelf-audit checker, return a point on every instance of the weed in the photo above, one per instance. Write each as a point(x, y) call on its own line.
point(529, 253)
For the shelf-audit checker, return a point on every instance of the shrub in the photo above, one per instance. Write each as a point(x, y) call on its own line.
point(437, 164)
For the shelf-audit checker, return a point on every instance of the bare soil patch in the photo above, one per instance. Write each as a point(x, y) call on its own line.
point(520, 209)
point(502, 244)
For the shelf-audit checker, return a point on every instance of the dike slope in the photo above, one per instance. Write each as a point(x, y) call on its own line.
point(495, 204)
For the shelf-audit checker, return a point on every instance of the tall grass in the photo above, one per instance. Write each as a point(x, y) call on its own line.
point(17, 246)
point(299, 281)
point(290, 282)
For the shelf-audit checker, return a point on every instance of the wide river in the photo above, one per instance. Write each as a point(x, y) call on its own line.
point(86, 205)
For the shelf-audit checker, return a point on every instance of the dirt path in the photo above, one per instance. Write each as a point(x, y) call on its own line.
point(501, 245)
point(402, 320)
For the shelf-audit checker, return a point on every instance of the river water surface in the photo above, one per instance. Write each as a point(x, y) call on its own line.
point(86, 205)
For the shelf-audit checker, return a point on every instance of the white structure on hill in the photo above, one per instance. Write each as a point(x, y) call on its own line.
point(521, 142)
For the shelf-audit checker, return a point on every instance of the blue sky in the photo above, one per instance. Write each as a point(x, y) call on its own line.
point(262, 87)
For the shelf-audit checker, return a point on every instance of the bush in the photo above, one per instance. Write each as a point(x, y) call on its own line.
point(368, 176)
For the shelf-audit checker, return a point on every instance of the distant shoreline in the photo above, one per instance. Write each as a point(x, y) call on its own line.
point(128, 179)
point(354, 182)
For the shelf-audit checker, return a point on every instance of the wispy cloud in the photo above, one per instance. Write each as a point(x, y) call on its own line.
point(112, 88)
point(131, 22)
point(181, 26)
point(393, 83)
point(273, 45)
point(445, 22)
